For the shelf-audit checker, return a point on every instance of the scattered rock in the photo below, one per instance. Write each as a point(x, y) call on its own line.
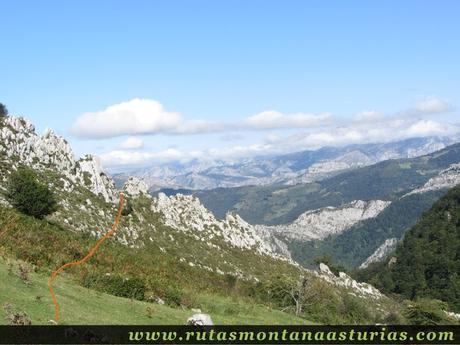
point(381, 252)
point(200, 320)
point(323, 268)
point(344, 280)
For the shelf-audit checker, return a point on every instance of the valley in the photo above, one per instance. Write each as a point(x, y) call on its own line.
point(172, 250)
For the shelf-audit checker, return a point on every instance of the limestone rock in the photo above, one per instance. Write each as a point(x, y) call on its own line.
point(135, 186)
point(20, 143)
point(200, 320)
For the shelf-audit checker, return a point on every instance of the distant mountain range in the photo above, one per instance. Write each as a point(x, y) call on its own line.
point(289, 169)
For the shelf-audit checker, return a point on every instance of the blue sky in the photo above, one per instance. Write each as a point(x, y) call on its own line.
point(229, 78)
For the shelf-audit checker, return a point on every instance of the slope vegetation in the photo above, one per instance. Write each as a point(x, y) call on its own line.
point(30, 294)
point(427, 262)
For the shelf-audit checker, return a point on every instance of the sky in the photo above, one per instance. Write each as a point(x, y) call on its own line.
point(147, 82)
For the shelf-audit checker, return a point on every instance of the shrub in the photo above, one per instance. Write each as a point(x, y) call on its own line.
point(426, 311)
point(3, 110)
point(128, 209)
point(116, 285)
point(173, 295)
point(28, 195)
point(15, 318)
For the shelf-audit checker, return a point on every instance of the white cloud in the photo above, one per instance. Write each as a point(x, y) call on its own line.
point(424, 128)
point(132, 143)
point(144, 116)
point(389, 130)
point(432, 105)
point(368, 116)
point(357, 133)
point(138, 116)
point(274, 119)
point(121, 157)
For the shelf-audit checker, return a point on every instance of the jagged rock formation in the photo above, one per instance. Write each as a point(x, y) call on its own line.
point(381, 252)
point(134, 186)
point(87, 200)
point(20, 143)
point(186, 213)
point(345, 281)
point(321, 223)
point(447, 178)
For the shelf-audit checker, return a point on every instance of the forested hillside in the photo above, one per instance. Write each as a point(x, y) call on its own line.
point(352, 247)
point(427, 262)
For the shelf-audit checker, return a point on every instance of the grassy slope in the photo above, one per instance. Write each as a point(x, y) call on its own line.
point(83, 306)
point(44, 246)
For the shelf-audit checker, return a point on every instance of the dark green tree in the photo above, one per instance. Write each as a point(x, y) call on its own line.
point(3, 110)
point(30, 196)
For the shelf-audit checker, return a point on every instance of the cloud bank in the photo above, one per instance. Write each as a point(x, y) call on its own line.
point(144, 116)
point(149, 117)
point(392, 130)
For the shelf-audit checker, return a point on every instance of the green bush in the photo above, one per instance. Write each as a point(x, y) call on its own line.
point(426, 311)
point(173, 295)
point(30, 196)
point(3, 110)
point(116, 285)
point(128, 209)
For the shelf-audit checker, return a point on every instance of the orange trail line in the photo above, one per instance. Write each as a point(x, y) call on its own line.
point(91, 252)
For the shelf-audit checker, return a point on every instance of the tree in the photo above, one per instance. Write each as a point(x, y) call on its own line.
point(296, 294)
point(30, 196)
point(3, 110)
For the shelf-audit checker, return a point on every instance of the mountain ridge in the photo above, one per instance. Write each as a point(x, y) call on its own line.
point(288, 169)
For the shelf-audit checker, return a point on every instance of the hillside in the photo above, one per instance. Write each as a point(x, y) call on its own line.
point(274, 205)
point(427, 262)
point(86, 306)
point(166, 248)
point(353, 246)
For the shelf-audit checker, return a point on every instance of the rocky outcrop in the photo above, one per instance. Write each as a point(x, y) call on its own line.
point(453, 315)
point(89, 171)
point(135, 186)
point(321, 223)
point(381, 252)
point(21, 145)
point(200, 320)
point(345, 281)
point(447, 178)
point(186, 213)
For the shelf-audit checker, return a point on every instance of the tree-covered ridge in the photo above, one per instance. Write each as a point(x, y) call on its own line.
point(427, 262)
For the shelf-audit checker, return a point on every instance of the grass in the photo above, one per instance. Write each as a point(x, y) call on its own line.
point(84, 306)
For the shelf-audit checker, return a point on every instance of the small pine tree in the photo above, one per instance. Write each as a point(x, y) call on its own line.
point(3, 110)
point(28, 195)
